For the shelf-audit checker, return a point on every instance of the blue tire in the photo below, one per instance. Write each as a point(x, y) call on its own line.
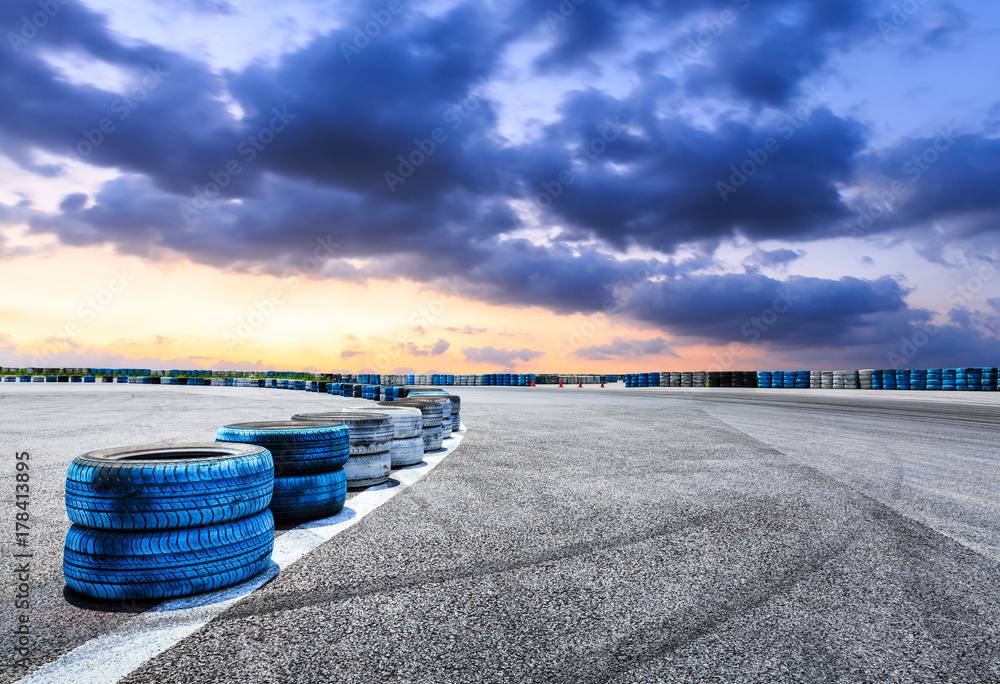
point(297, 448)
point(309, 497)
point(166, 563)
point(172, 486)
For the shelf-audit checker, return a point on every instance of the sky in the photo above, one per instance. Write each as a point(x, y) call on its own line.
point(401, 186)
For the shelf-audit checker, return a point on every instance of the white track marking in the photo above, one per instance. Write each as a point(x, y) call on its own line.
point(110, 657)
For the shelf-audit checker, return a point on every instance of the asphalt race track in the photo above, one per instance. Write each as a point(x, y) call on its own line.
point(582, 535)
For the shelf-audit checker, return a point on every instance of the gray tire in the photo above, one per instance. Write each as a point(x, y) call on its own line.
point(431, 410)
point(371, 434)
point(407, 421)
point(365, 470)
point(370, 431)
point(432, 437)
point(407, 452)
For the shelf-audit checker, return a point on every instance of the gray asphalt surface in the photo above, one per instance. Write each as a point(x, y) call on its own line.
point(594, 535)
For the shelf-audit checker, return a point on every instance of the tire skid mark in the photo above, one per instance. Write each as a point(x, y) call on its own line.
point(287, 602)
point(880, 506)
point(663, 637)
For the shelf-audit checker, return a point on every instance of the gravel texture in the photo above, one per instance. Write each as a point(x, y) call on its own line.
point(675, 535)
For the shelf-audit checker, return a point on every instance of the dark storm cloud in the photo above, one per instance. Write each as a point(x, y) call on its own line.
point(760, 50)
point(769, 49)
point(356, 118)
point(682, 183)
point(166, 121)
point(944, 183)
point(809, 311)
point(328, 129)
point(346, 124)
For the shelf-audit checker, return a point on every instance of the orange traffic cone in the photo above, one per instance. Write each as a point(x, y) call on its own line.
point(560, 382)
point(580, 385)
point(602, 383)
point(532, 383)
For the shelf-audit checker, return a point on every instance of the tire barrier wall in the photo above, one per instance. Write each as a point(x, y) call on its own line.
point(392, 387)
point(162, 521)
point(979, 379)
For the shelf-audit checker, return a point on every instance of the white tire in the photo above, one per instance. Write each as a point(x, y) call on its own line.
point(407, 452)
point(407, 421)
point(365, 470)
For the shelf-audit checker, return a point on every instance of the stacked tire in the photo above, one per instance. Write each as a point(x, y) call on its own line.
point(948, 379)
point(454, 417)
point(888, 379)
point(370, 433)
point(989, 379)
point(432, 416)
point(877, 379)
point(407, 446)
point(865, 378)
point(309, 478)
point(162, 521)
point(447, 427)
point(851, 380)
point(456, 412)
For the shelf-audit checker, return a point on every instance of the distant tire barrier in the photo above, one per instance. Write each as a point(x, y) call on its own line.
point(123, 565)
point(989, 379)
point(371, 435)
point(396, 387)
point(968, 379)
point(174, 486)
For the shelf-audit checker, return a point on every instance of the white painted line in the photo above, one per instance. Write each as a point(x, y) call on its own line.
point(108, 658)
